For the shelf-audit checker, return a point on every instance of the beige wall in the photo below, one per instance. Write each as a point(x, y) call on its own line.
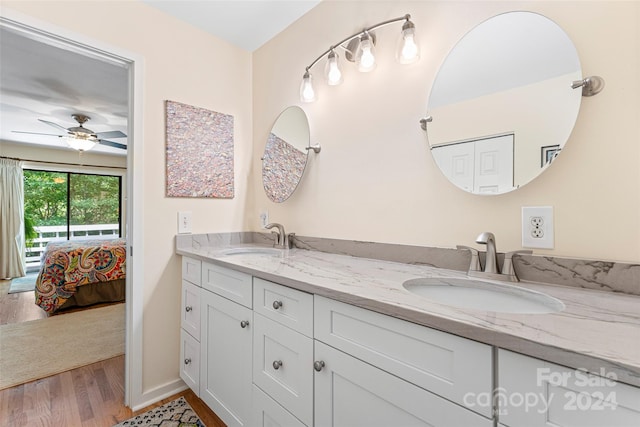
point(182, 64)
point(375, 180)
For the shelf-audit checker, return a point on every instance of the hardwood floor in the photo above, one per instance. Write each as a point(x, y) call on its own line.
point(91, 395)
point(88, 396)
point(20, 307)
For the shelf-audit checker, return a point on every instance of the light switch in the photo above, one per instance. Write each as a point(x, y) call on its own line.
point(184, 222)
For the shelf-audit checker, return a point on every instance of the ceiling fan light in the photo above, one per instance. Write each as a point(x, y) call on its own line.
point(81, 144)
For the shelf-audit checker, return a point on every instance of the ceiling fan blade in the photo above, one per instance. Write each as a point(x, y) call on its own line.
point(55, 125)
point(37, 133)
point(112, 144)
point(111, 134)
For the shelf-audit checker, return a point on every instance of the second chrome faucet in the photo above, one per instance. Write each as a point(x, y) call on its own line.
point(491, 270)
point(283, 240)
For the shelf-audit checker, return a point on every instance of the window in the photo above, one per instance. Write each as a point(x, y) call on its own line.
point(68, 206)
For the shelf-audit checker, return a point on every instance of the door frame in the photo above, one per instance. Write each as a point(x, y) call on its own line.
point(60, 37)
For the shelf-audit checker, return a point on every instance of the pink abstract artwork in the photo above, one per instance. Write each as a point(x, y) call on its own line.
point(199, 152)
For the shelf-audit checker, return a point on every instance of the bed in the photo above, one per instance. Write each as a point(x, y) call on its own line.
point(80, 273)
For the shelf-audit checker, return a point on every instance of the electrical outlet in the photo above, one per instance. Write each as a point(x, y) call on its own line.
point(184, 222)
point(537, 227)
point(264, 218)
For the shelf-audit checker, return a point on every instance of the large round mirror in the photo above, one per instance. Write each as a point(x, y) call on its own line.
point(285, 155)
point(501, 107)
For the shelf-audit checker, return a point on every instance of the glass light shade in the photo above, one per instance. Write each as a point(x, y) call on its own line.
point(365, 58)
point(307, 94)
point(81, 144)
point(332, 70)
point(407, 51)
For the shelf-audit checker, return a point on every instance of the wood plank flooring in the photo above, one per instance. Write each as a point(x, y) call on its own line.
point(91, 395)
point(88, 396)
point(20, 307)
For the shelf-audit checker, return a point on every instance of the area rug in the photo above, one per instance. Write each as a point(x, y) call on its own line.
point(44, 347)
point(176, 413)
point(23, 284)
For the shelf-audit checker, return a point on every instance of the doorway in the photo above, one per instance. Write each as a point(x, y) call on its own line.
point(132, 220)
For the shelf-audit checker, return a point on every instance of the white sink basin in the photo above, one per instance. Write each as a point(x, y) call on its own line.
point(254, 250)
point(486, 296)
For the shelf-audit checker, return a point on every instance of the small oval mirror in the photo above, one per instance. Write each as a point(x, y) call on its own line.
point(285, 155)
point(502, 106)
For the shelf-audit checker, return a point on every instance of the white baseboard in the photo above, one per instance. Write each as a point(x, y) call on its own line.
point(152, 396)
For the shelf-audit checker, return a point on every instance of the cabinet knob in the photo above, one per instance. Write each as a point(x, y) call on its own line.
point(277, 304)
point(277, 364)
point(318, 365)
point(244, 324)
point(187, 361)
point(188, 308)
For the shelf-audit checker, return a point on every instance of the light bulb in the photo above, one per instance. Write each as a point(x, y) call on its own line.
point(307, 94)
point(366, 58)
point(408, 51)
point(332, 70)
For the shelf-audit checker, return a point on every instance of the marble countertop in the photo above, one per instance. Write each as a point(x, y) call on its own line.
point(598, 331)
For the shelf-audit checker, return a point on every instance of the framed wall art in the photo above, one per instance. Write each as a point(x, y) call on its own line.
point(199, 152)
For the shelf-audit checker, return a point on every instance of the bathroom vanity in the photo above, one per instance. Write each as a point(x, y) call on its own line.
point(303, 338)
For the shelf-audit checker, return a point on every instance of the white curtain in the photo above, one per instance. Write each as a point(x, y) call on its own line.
point(12, 246)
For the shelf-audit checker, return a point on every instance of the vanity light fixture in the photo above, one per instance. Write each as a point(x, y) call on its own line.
point(360, 48)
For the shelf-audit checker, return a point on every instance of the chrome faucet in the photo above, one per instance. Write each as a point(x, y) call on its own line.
point(491, 260)
point(283, 240)
point(490, 270)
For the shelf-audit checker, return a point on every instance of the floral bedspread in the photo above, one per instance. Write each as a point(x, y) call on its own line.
point(68, 264)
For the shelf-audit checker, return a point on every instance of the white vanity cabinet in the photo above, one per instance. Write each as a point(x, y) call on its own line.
point(190, 324)
point(376, 370)
point(536, 393)
point(283, 350)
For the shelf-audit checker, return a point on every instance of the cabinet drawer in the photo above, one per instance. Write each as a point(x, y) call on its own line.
point(283, 366)
point(534, 393)
point(228, 283)
point(445, 364)
point(268, 413)
point(190, 361)
point(290, 307)
point(191, 270)
point(190, 309)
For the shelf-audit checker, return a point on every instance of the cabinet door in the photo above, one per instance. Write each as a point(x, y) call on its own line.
point(283, 366)
point(190, 361)
point(537, 393)
point(268, 413)
point(226, 347)
point(351, 393)
point(190, 315)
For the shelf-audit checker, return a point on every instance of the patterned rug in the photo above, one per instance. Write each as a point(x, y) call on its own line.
point(176, 413)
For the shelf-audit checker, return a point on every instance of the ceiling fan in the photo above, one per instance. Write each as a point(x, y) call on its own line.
point(81, 138)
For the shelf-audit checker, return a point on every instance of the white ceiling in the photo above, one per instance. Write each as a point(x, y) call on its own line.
point(245, 23)
point(44, 80)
